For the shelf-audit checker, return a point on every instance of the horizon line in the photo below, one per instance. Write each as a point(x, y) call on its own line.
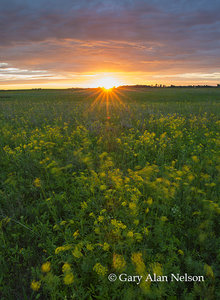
point(121, 86)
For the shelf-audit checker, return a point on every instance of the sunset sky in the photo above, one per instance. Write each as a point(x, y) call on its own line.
point(59, 44)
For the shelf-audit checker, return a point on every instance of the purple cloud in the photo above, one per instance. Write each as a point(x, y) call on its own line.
point(155, 36)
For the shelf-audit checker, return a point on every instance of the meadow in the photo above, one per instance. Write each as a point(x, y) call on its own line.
point(95, 182)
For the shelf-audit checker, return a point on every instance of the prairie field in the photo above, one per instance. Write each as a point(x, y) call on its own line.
point(97, 182)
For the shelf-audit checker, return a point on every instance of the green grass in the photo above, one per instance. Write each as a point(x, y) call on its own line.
point(133, 190)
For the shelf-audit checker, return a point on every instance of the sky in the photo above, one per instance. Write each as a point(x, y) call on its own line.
point(72, 43)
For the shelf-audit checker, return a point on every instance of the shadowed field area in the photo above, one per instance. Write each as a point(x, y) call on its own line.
point(95, 182)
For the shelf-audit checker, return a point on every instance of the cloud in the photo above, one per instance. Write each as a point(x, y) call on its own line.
point(10, 73)
point(208, 76)
point(90, 36)
point(108, 20)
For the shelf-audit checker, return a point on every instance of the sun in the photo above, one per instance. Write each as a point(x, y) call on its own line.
point(107, 83)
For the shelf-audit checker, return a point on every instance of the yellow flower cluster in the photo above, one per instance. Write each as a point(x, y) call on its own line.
point(118, 224)
point(138, 262)
point(68, 278)
point(89, 247)
point(76, 234)
point(195, 159)
point(133, 206)
point(66, 268)
point(62, 248)
point(119, 262)
point(180, 252)
point(156, 268)
point(35, 285)
point(100, 270)
point(105, 246)
point(68, 275)
point(46, 267)
point(37, 182)
point(130, 234)
point(77, 252)
point(208, 271)
point(84, 205)
point(100, 219)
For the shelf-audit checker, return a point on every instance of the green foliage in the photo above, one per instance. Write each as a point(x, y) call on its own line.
point(134, 192)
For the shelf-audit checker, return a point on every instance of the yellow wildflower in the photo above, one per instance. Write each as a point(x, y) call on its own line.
point(147, 210)
point(76, 233)
point(84, 205)
point(35, 285)
point(149, 201)
point(97, 230)
point(191, 177)
point(205, 176)
point(138, 262)
point(102, 174)
point(132, 205)
point(66, 268)
point(100, 219)
point(118, 262)
point(118, 224)
point(130, 234)
point(99, 269)
point(209, 271)
point(103, 187)
point(63, 223)
point(104, 154)
point(180, 252)
point(162, 136)
point(145, 230)
point(68, 278)
point(89, 247)
point(76, 252)
point(62, 248)
point(136, 222)
point(159, 179)
point(179, 173)
point(186, 168)
point(37, 182)
point(138, 237)
point(46, 267)
point(58, 249)
point(164, 218)
point(157, 268)
point(114, 222)
point(106, 246)
point(127, 180)
point(195, 159)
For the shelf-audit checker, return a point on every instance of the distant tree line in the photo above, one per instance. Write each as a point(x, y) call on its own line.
point(168, 86)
